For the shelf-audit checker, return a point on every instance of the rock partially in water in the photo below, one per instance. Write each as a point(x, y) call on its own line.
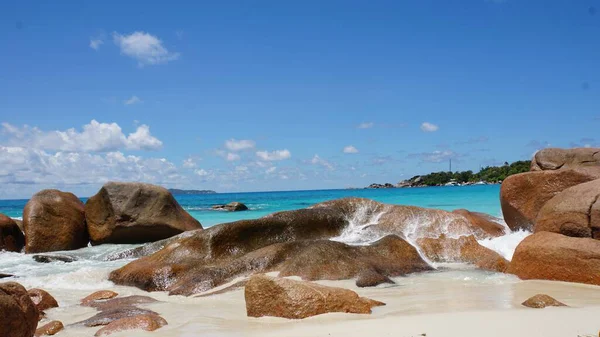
point(485, 222)
point(310, 259)
point(98, 296)
point(5, 275)
point(541, 301)
point(371, 278)
point(523, 195)
point(53, 221)
point(572, 212)
point(18, 314)
point(127, 301)
point(555, 159)
point(464, 249)
point(141, 322)
point(11, 237)
point(49, 329)
point(42, 300)
point(147, 249)
point(231, 207)
point(135, 213)
point(279, 297)
point(110, 315)
point(551, 256)
point(49, 258)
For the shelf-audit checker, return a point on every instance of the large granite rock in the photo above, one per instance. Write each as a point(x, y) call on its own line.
point(49, 329)
point(279, 297)
point(11, 237)
point(572, 212)
point(551, 256)
point(463, 249)
point(487, 223)
point(18, 314)
point(523, 195)
point(54, 220)
point(555, 159)
point(135, 213)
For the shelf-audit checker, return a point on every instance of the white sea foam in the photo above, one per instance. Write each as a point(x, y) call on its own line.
point(359, 230)
point(17, 218)
point(506, 244)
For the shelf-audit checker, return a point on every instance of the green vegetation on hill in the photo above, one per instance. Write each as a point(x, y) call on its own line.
point(489, 174)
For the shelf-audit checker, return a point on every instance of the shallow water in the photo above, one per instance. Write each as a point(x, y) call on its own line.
point(481, 198)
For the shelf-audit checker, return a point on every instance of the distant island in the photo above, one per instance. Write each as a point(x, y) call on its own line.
point(487, 175)
point(175, 191)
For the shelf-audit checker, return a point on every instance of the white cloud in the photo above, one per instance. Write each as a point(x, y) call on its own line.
point(350, 149)
point(133, 100)
point(189, 163)
point(316, 160)
point(95, 137)
point(201, 172)
point(271, 170)
point(28, 166)
point(274, 155)
point(239, 145)
point(96, 43)
point(366, 125)
point(429, 127)
point(435, 156)
point(145, 48)
point(232, 156)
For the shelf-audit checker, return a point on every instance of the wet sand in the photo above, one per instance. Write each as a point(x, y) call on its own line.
point(460, 301)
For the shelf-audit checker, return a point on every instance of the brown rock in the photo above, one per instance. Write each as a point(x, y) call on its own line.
point(108, 316)
point(42, 300)
point(19, 224)
point(54, 220)
point(573, 212)
point(49, 329)
point(309, 259)
point(279, 297)
point(135, 213)
point(18, 314)
point(371, 278)
point(114, 303)
point(485, 222)
point(231, 207)
point(551, 256)
point(98, 295)
point(147, 322)
point(399, 219)
point(523, 195)
point(464, 249)
point(554, 159)
point(11, 237)
point(541, 301)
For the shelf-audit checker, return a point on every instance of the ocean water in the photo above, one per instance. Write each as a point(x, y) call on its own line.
point(481, 198)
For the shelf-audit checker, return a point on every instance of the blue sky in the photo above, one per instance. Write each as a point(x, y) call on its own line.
point(280, 95)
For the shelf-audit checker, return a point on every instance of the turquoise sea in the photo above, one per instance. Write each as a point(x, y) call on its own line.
point(480, 198)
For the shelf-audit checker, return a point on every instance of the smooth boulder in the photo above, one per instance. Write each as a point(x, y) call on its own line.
point(523, 195)
point(556, 257)
point(53, 221)
point(147, 322)
point(540, 301)
point(486, 222)
point(11, 237)
point(98, 296)
point(573, 212)
point(463, 249)
point(555, 158)
point(42, 300)
point(279, 297)
point(49, 329)
point(231, 207)
point(135, 213)
point(18, 314)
